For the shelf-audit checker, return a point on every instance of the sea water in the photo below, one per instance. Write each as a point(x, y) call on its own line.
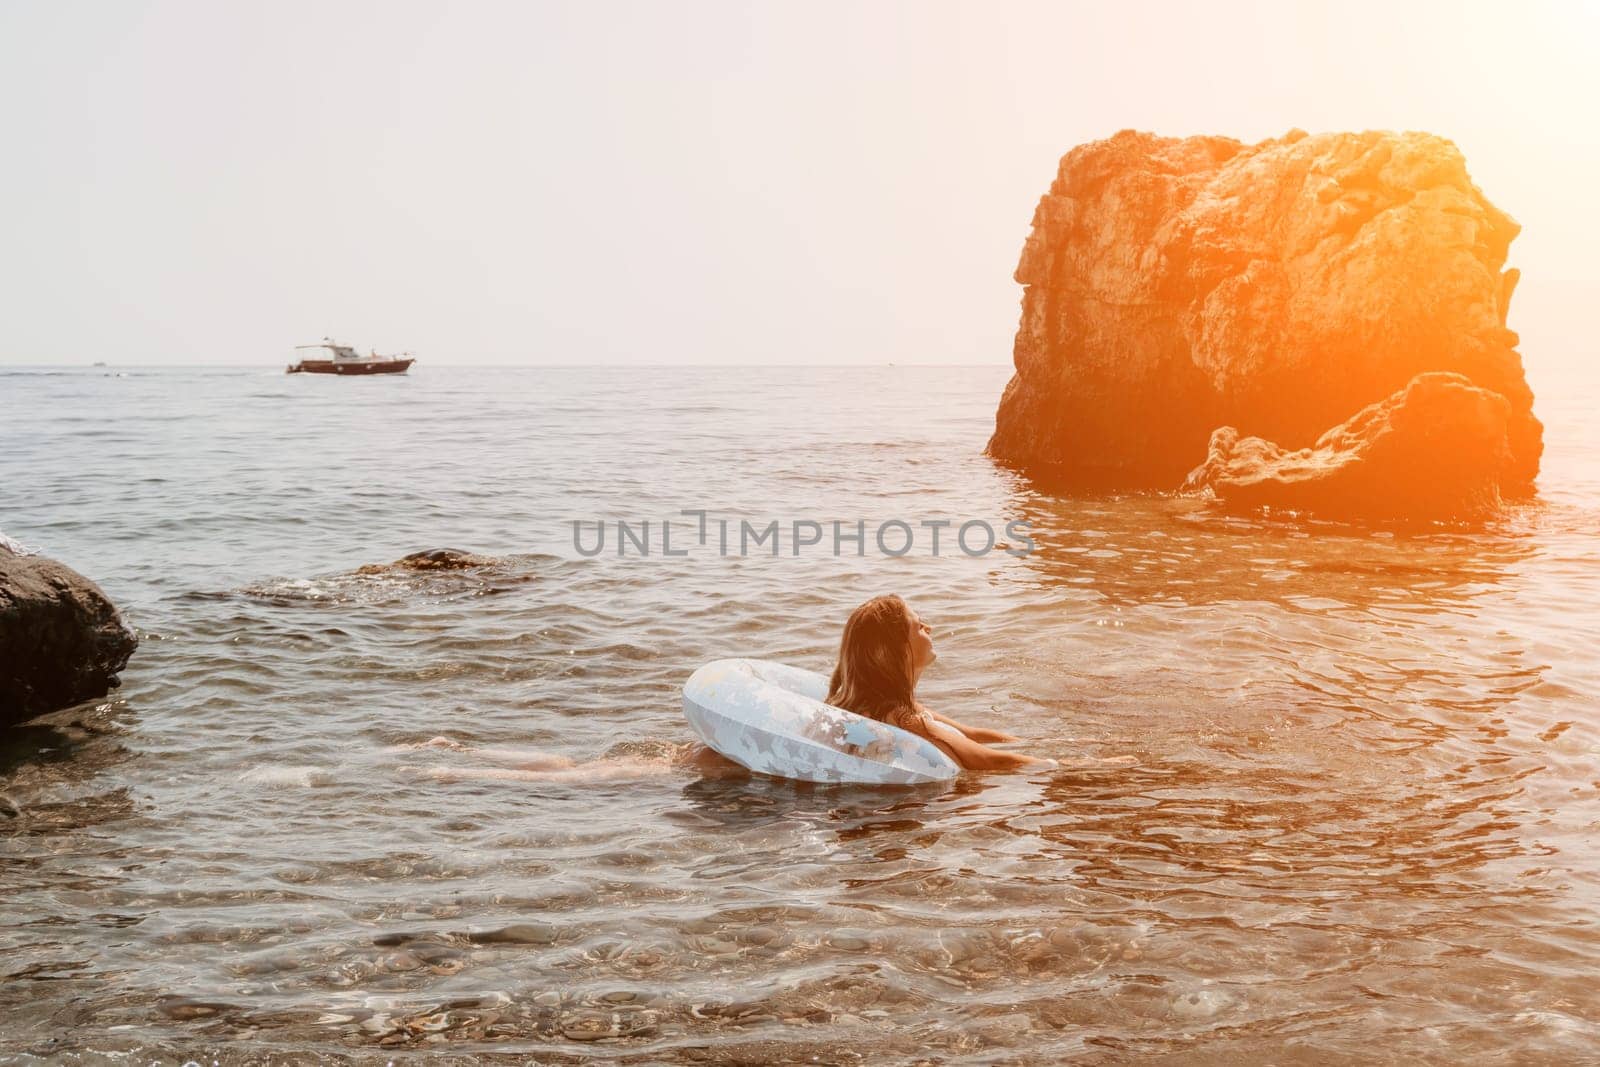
point(1359, 822)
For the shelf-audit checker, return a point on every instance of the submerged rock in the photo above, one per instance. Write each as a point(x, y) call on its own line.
point(517, 934)
point(61, 639)
point(432, 572)
point(433, 559)
point(1438, 449)
point(1175, 285)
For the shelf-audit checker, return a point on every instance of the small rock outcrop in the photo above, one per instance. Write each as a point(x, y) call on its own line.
point(432, 559)
point(1175, 285)
point(61, 640)
point(1434, 451)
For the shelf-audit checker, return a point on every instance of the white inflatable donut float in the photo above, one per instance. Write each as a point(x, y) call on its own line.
point(771, 718)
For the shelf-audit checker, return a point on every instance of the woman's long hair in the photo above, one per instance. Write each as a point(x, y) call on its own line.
point(875, 674)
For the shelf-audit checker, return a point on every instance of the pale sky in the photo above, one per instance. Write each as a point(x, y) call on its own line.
point(689, 182)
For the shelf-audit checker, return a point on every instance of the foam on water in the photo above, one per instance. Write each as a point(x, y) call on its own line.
point(286, 776)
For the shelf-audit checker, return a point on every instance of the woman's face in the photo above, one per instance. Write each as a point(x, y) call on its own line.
point(922, 652)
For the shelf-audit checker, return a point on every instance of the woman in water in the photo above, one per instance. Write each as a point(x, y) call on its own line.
point(885, 648)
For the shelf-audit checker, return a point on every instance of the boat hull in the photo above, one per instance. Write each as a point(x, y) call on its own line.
point(365, 366)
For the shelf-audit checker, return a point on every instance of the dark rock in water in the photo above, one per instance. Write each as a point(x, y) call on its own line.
point(1175, 285)
point(433, 559)
point(441, 572)
point(61, 639)
point(1437, 450)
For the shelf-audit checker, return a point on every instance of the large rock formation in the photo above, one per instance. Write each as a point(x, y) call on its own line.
point(1429, 452)
point(1175, 285)
point(61, 639)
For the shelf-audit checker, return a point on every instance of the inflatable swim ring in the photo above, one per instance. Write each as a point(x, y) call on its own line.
point(771, 718)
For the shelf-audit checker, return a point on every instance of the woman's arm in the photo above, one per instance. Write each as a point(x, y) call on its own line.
point(976, 733)
point(976, 757)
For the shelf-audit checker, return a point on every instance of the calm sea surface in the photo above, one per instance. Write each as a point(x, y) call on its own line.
point(1361, 826)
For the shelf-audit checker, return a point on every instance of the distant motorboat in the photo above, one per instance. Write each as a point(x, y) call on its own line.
point(345, 360)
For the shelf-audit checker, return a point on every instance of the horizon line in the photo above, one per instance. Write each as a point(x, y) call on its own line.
point(563, 366)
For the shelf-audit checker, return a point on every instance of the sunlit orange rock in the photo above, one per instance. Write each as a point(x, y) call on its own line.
point(1174, 285)
point(1439, 449)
